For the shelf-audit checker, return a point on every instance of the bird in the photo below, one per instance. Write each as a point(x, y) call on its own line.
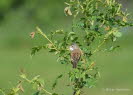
point(75, 54)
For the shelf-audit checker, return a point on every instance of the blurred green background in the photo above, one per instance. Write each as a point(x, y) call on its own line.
point(20, 17)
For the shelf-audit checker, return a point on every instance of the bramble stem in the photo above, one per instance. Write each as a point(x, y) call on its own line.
point(29, 81)
point(97, 49)
point(106, 36)
point(2, 92)
point(45, 36)
point(46, 91)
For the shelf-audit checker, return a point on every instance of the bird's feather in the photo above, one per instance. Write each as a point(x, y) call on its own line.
point(75, 57)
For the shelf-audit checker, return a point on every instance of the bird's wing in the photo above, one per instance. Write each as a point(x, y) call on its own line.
point(75, 55)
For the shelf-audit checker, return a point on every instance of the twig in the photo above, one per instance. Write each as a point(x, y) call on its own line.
point(45, 36)
point(106, 37)
point(46, 91)
point(29, 81)
point(97, 49)
point(2, 92)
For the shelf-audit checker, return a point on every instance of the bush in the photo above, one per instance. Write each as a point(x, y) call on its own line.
point(95, 23)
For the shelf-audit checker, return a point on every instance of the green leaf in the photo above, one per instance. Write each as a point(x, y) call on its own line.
point(36, 49)
point(2, 92)
point(117, 34)
point(56, 81)
point(23, 76)
point(60, 76)
point(54, 94)
point(114, 39)
point(36, 77)
point(113, 48)
point(74, 39)
point(54, 84)
point(71, 33)
point(52, 50)
point(41, 81)
point(59, 32)
point(37, 93)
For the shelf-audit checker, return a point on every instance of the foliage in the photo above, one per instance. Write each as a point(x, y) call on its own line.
point(56, 81)
point(95, 23)
point(36, 82)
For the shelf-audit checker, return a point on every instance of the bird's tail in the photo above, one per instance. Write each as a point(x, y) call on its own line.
point(74, 64)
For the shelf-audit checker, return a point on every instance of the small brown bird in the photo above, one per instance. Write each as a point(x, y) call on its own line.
point(75, 54)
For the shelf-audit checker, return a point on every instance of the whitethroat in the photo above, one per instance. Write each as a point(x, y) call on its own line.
point(75, 54)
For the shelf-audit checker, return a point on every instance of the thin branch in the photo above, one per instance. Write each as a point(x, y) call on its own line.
point(106, 37)
point(2, 92)
point(29, 81)
point(97, 49)
point(46, 91)
point(45, 36)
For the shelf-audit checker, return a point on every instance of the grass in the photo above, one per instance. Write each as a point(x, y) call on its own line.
point(116, 69)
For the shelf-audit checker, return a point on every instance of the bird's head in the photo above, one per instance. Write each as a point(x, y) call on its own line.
point(73, 47)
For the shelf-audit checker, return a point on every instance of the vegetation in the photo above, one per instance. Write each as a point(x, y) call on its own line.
point(95, 27)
